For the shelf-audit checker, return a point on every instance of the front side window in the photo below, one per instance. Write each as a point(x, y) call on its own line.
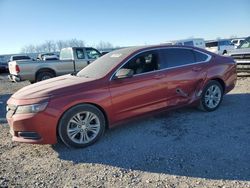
point(92, 53)
point(143, 63)
point(245, 44)
point(176, 57)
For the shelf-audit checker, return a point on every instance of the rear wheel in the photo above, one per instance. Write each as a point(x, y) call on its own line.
point(44, 76)
point(211, 97)
point(81, 126)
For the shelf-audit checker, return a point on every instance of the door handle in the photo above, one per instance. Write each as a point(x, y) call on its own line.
point(196, 69)
point(159, 76)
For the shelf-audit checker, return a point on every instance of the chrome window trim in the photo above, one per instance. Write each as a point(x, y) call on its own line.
point(159, 48)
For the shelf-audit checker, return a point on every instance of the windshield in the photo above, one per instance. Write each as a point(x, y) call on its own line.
point(245, 43)
point(103, 65)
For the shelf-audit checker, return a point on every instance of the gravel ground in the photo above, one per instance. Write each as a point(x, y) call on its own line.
point(181, 148)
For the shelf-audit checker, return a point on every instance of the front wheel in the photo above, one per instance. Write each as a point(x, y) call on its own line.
point(212, 96)
point(81, 126)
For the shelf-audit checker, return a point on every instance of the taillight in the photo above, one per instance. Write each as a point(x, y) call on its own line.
point(17, 69)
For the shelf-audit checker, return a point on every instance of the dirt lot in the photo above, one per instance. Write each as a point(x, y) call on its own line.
point(182, 148)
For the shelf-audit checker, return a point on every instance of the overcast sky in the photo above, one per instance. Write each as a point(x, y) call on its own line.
point(120, 22)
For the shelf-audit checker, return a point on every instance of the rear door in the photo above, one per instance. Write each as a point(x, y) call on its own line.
point(185, 72)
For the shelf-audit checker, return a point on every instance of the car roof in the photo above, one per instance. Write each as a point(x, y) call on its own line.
point(135, 49)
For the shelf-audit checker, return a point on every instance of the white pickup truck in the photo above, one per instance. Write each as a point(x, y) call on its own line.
point(71, 60)
point(242, 56)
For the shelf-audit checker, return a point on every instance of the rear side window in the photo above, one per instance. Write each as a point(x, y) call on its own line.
point(199, 57)
point(176, 57)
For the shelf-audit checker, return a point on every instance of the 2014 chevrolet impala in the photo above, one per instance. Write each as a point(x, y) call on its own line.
point(118, 86)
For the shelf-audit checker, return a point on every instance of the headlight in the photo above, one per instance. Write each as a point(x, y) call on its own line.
point(33, 108)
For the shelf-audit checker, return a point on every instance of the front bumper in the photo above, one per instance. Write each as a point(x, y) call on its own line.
point(14, 78)
point(37, 128)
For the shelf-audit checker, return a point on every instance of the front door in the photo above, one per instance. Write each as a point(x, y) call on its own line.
point(145, 91)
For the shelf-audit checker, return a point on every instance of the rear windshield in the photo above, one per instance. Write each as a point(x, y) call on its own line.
point(103, 65)
point(211, 44)
point(20, 57)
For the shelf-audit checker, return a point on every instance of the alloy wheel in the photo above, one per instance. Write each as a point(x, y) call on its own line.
point(83, 127)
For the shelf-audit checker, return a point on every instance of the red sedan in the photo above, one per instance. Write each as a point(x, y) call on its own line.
point(118, 86)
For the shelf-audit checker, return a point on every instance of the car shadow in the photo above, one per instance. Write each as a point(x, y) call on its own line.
point(3, 100)
point(183, 142)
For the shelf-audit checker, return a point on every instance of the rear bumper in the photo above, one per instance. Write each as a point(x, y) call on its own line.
point(14, 78)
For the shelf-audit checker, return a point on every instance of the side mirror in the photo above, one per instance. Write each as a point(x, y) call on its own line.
point(124, 73)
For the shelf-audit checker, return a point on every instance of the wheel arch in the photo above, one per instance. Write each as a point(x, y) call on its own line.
point(103, 111)
point(45, 70)
point(221, 81)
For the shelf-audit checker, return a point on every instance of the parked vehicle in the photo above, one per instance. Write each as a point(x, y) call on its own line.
point(242, 56)
point(3, 64)
point(118, 86)
point(71, 60)
point(20, 58)
point(196, 42)
point(221, 47)
point(237, 42)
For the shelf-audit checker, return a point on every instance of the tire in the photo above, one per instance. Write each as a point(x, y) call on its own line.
point(81, 126)
point(44, 76)
point(211, 97)
point(224, 53)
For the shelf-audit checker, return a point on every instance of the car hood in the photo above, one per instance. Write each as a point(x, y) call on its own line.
point(55, 86)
